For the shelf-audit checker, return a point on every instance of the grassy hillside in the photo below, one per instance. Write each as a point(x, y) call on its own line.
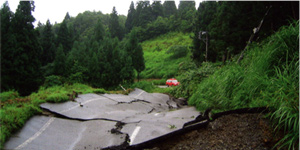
point(268, 76)
point(164, 54)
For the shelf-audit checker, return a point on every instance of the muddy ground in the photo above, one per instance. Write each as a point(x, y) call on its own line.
point(231, 132)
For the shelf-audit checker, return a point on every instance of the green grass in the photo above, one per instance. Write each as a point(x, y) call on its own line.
point(268, 76)
point(16, 110)
point(159, 63)
point(8, 95)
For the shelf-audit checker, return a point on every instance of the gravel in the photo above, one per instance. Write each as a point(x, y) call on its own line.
point(234, 131)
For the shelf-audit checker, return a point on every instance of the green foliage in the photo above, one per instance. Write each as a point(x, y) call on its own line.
point(268, 76)
point(158, 63)
point(53, 80)
point(169, 8)
point(14, 115)
point(159, 82)
point(229, 28)
point(130, 17)
point(149, 86)
point(145, 85)
point(114, 25)
point(48, 44)
point(99, 91)
point(190, 76)
point(20, 52)
point(59, 62)
point(186, 12)
point(177, 51)
point(4, 96)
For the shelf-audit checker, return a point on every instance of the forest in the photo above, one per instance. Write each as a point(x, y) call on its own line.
point(103, 50)
point(95, 52)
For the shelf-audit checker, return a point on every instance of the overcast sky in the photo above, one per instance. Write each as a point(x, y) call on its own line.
point(55, 10)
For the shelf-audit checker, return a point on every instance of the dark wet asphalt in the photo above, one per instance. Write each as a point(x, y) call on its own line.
point(101, 121)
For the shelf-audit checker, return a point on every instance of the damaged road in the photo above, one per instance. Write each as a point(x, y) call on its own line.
point(107, 121)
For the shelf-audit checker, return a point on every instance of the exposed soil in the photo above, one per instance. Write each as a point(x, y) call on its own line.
point(232, 132)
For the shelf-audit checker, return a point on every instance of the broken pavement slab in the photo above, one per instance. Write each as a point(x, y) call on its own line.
point(99, 121)
point(49, 133)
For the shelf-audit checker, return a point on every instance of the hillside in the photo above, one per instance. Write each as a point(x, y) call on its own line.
point(267, 77)
point(164, 54)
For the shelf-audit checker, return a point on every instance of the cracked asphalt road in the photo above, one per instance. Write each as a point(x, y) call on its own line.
point(102, 121)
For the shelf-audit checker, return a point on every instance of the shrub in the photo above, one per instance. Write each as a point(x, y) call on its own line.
point(8, 95)
point(177, 51)
point(99, 91)
point(53, 80)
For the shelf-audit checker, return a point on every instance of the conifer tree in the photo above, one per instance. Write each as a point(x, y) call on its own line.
point(157, 9)
point(60, 62)
point(114, 25)
point(26, 53)
point(134, 49)
point(186, 12)
point(169, 8)
point(130, 18)
point(7, 45)
point(99, 31)
point(206, 13)
point(64, 36)
point(143, 13)
point(47, 43)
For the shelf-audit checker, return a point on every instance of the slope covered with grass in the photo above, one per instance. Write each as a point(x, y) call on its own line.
point(164, 54)
point(268, 76)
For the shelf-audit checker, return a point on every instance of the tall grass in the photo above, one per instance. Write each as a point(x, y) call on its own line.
point(158, 61)
point(268, 76)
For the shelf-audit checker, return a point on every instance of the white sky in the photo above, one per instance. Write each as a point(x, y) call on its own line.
point(55, 10)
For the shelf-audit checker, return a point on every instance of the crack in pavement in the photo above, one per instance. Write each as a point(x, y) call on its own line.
point(48, 112)
point(135, 100)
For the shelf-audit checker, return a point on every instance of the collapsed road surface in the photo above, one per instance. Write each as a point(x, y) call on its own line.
point(95, 121)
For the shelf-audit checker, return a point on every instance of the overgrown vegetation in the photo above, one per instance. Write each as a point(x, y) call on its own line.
point(16, 110)
point(268, 76)
point(164, 54)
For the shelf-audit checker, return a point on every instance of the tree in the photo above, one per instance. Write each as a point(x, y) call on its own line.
point(26, 52)
point(7, 45)
point(205, 14)
point(139, 62)
point(186, 12)
point(130, 18)
point(47, 42)
point(157, 9)
point(114, 25)
point(169, 8)
point(60, 61)
point(143, 14)
point(99, 31)
point(134, 49)
point(64, 38)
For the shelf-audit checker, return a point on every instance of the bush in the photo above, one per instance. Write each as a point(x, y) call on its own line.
point(99, 91)
point(177, 51)
point(77, 77)
point(8, 95)
point(190, 78)
point(53, 80)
